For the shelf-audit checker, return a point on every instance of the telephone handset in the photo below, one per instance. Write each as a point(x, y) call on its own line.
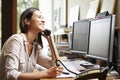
point(46, 32)
point(53, 48)
point(51, 44)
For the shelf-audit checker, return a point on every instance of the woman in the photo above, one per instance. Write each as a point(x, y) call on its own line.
point(21, 53)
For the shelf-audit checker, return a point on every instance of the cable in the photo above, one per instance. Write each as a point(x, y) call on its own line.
point(65, 67)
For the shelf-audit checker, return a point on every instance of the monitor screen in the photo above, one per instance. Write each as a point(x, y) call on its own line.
point(80, 33)
point(101, 38)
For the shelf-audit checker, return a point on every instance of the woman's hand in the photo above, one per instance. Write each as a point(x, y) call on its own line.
point(50, 73)
point(54, 71)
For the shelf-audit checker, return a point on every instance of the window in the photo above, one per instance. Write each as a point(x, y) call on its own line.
point(22, 5)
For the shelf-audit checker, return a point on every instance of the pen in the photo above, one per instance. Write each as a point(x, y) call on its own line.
point(65, 73)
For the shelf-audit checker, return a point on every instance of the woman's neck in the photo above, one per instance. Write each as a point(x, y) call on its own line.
point(30, 37)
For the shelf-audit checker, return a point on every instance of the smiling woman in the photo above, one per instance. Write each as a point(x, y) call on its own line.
point(21, 53)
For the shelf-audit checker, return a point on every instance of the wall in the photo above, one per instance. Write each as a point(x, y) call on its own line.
point(117, 12)
point(45, 7)
point(62, 5)
point(84, 5)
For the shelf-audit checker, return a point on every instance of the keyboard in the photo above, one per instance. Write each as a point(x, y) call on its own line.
point(75, 65)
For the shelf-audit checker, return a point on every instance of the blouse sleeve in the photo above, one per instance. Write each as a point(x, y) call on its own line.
point(43, 58)
point(11, 51)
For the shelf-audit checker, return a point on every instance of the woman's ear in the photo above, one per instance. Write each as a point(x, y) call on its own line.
point(27, 21)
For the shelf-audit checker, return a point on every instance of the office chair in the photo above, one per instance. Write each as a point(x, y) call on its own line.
point(99, 75)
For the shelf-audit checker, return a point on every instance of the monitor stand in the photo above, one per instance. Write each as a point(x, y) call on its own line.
point(113, 65)
point(113, 71)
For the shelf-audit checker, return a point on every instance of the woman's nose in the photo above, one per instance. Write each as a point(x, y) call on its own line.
point(42, 20)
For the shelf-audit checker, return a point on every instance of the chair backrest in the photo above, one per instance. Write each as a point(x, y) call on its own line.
point(99, 75)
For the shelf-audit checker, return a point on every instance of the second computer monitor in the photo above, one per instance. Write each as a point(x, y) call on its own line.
point(101, 38)
point(80, 34)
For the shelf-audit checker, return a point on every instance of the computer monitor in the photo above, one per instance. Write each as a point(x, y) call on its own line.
point(80, 32)
point(101, 38)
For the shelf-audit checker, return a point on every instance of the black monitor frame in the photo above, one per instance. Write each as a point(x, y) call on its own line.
point(109, 55)
point(80, 32)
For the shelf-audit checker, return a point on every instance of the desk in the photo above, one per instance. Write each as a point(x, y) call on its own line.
point(58, 79)
point(108, 78)
point(113, 77)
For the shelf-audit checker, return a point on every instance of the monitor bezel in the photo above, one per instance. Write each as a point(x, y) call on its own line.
point(78, 51)
point(111, 37)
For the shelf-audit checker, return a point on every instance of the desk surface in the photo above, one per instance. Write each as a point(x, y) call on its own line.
point(108, 78)
point(113, 77)
point(58, 79)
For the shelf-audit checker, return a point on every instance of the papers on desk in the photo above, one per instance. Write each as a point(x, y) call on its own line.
point(72, 67)
point(66, 76)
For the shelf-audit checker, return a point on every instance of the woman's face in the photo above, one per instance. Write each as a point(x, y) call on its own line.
point(37, 22)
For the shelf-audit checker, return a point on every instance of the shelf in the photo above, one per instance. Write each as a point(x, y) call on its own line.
point(62, 35)
point(117, 28)
point(67, 30)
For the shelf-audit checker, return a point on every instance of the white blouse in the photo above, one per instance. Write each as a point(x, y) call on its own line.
point(15, 59)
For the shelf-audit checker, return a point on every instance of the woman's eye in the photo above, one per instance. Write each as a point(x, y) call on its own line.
point(39, 16)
